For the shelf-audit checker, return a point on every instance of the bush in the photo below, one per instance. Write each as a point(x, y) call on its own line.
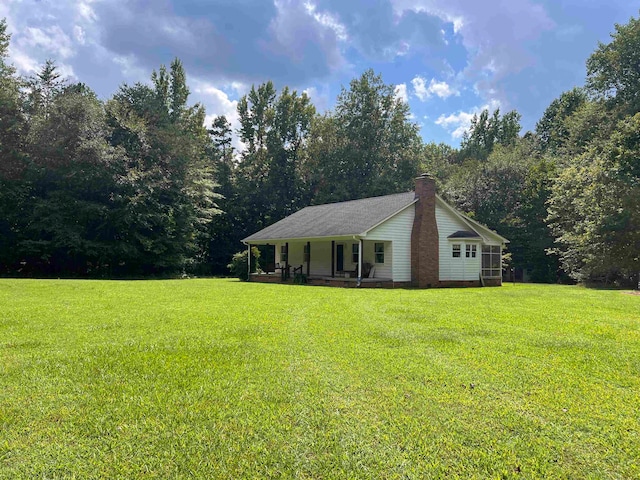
point(238, 265)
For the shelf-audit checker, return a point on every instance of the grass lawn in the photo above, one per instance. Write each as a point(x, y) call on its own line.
point(220, 379)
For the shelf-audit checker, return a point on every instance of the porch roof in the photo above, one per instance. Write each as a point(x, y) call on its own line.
point(354, 217)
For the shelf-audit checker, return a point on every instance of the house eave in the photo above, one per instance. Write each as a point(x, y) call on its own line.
point(264, 241)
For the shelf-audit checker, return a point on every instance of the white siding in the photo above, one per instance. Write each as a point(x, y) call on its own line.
point(296, 254)
point(383, 270)
point(320, 256)
point(396, 233)
point(320, 259)
point(460, 268)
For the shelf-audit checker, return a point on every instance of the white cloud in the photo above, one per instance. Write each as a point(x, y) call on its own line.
point(78, 33)
point(401, 92)
point(327, 20)
point(86, 12)
point(311, 92)
point(239, 87)
point(217, 103)
point(319, 96)
point(440, 89)
point(496, 35)
point(129, 67)
point(51, 39)
point(403, 49)
point(25, 64)
point(420, 88)
point(66, 71)
point(458, 123)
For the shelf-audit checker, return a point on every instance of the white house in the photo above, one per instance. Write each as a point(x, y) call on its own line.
point(405, 239)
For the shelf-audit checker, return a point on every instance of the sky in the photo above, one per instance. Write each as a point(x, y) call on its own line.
point(448, 59)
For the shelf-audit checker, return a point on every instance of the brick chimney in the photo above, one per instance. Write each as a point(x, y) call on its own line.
point(425, 265)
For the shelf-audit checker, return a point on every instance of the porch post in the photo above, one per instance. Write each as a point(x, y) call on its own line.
point(333, 258)
point(248, 262)
point(286, 264)
point(308, 258)
point(360, 260)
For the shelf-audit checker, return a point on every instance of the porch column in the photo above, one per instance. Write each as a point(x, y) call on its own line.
point(308, 257)
point(286, 264)
point(333, 258)
point(248, 262)
point(360, 249)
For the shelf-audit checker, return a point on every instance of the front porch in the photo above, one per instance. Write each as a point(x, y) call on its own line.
point(344, 262)
point(342, 281)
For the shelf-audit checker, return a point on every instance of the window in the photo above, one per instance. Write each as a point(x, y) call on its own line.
point(491, 261)
point(354, 253)
point(378, 248)
point(471, 251)
point(283, 253)
point(456, 250)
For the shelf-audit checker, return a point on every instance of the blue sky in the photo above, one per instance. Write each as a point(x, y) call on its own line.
point(448, 58)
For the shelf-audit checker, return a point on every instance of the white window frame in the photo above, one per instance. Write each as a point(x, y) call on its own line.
point(376, 252)
point(471, 250)
point(456, 248)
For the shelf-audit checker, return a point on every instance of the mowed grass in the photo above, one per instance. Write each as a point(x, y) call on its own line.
point(221, 379)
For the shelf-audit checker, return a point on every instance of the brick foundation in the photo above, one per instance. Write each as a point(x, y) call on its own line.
point(265, 278)
point(459, 283)
point(330, 282)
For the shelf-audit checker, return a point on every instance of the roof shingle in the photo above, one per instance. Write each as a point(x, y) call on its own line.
point(335, 219)
point(464, 234)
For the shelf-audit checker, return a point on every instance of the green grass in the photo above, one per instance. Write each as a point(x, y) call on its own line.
point(220, 379)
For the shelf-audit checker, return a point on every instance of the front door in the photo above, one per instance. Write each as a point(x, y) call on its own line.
point(268, 257)
point(339, 258)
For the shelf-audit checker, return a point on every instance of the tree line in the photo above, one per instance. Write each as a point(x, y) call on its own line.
point(137, 185)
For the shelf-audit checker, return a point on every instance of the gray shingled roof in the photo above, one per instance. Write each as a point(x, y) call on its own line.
point(464, 234)
point(335, 219)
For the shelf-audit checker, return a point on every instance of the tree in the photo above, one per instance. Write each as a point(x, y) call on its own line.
point(12, 121)
point(594, 209)
point(167, 196)
point(43, 88)
point(508, 193)
point(440, 160)
point(552, 129)
point(66, 230)
point(367, 147)
point(13, 127)
point(274, 129)
point(224, 231)
point(487, 131)
point(612, 70)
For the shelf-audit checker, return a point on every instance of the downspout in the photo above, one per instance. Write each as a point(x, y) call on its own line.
point(359, 262)
point(248, 262)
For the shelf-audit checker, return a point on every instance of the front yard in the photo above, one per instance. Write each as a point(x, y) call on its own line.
point(221, 379)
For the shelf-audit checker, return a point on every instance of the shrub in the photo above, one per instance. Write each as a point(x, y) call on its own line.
point(238, 265)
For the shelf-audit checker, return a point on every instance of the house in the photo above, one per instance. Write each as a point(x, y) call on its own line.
point(406, 239)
